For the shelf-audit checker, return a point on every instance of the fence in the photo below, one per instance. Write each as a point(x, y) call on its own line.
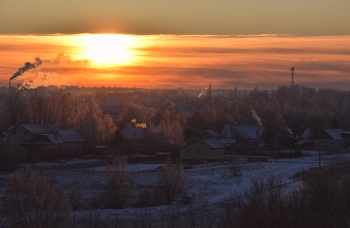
point(81, 165)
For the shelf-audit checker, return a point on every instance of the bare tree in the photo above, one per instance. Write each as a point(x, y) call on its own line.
point(118, 190)
point(32, 201)
point(87, 120)
point(108, 128)
point(18, 108)
point(171, 181)
point(172, 126)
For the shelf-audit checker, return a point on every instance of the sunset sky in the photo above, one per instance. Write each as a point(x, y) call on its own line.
point(219, 41)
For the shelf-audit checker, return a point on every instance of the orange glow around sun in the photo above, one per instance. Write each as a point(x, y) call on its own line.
point(107, 49)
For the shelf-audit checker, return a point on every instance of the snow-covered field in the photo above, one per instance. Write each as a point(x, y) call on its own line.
point(208, 184)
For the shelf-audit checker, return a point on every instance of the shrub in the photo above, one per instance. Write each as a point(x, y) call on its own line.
point(171, 182)
point(118, 190)
point(32, 201)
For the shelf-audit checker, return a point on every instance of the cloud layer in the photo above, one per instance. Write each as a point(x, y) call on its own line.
point(184, 61)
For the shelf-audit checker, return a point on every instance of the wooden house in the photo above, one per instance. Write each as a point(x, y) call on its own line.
point(205, 149)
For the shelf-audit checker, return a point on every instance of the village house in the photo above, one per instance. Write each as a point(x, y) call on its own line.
point(142, 141)
point(250, 132)
point(205, 150)
point(327, 140)
point(23, 133)
point(37, 135)
point(306, 136)
point(248, 137)
point(330, 140)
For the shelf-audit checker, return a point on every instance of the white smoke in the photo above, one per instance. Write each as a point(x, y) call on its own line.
point(138, 125)
point(256, 117)
point(43, 72)
point(46, 79)
point(203, 92)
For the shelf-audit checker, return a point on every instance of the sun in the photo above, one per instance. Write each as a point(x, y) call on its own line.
point(108, 49)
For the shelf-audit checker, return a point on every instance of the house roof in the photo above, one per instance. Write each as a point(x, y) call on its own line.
point(228, 142)
point(214, 143)
point(307, 133)
point(70, 136)
point(133, 133)
point(247, 131)
point(163, 153)
point(47, 138)
point(10, 128)
point(335, 133)
point(210, 132)
point(3, 136)
point(156, 136)
point(32, 128)
point(35, 128)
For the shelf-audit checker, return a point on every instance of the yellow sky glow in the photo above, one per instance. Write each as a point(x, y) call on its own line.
point(106, 49)
point(171, 61)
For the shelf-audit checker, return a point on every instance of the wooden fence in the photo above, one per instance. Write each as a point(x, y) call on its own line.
point(81, 165)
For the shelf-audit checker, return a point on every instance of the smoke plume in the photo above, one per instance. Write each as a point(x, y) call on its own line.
point(256, 117)
point(135, 124)
point(203, 92)
point(27, 66)
point(46, 79)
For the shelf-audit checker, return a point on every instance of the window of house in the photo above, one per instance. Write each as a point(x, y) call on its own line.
point(14, 132)
point(198, 151)
point(25, 132)
point(187, 150)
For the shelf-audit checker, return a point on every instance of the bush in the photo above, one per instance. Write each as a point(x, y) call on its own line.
point(118, 190)
point(171, 182)
point(147, 198)
point(32, 201)
point(263, 206)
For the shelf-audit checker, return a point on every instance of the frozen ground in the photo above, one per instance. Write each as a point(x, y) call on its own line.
point(209, 184)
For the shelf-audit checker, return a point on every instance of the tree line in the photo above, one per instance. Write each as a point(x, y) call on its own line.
point(296, 108)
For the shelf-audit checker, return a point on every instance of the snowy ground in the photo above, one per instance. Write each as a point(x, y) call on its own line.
point(209, 184)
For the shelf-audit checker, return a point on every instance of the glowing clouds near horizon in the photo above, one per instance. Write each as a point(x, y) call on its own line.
point(107, 49)
point(168, 61)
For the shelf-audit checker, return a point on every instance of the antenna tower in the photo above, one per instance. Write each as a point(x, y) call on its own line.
point(209, 90)
point(292, 75)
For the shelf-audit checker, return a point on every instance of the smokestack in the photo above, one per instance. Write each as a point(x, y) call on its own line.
point(27, 66)
point(9, 86)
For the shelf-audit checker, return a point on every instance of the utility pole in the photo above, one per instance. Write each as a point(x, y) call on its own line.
point(101, 137)
point(319, 155)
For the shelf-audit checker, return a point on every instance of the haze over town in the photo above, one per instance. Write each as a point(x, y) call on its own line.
point(174, 113)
